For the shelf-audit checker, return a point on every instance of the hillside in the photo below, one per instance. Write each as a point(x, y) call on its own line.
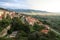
point(28, 27)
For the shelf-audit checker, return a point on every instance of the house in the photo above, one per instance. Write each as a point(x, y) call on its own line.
point(5, 14)
point(30, 20)
point(1, 14)
point(45, 31)
point(0, 17)
point(2, 11)
point(47, 27)
point(13, 35)
point(12, 14)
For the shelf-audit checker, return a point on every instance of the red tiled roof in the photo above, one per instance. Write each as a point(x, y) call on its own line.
point(0, 17)
point(45, 31)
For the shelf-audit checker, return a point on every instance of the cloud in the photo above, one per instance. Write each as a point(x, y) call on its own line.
point(10, 1)
point(47, 5)
point(14, 4)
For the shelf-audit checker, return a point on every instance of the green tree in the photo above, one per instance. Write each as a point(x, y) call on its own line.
point(38, 27)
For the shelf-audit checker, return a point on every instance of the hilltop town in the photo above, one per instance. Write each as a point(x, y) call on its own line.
point(16, 25)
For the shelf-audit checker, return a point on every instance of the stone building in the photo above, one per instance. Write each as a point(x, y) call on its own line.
point(3, 13)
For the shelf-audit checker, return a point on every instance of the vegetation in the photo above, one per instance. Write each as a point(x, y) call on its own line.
point(4, 23)
point(52, 21)
point(28, 32)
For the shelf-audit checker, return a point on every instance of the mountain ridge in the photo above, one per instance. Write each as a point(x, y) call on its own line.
point(28, 10)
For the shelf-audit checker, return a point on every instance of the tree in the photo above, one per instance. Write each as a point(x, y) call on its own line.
point(38, 27)
point(17, 25)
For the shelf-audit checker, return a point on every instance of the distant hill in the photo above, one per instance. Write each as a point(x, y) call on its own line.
point(28, 10)
point(34, 12)
point(3, 9)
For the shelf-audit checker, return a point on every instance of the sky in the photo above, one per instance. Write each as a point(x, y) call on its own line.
point(44, 5)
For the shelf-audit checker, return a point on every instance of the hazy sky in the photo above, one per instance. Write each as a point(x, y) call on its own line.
point(45, 5)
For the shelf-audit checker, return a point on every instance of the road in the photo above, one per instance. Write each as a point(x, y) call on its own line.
point(55, 31)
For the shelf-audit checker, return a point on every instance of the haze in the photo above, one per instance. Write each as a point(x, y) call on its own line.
point(44, 5)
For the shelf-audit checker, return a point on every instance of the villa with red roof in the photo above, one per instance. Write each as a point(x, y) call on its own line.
point(30, 20)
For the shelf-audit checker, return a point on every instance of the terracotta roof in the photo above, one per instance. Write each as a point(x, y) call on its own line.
point(45, 31)
point(0, 16)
